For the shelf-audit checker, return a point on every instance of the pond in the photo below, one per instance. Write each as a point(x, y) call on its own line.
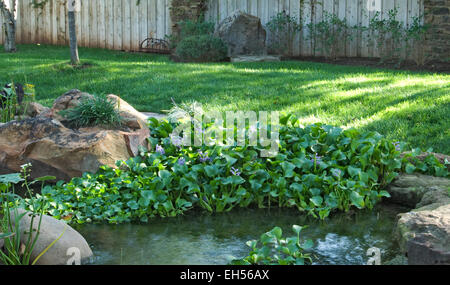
point(201, 239)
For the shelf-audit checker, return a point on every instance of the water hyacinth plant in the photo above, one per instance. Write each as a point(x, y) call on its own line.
point(319, 169)
point(273, 249)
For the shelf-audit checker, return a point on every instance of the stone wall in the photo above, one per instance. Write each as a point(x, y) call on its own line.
point(437, 14)
point(182, 10)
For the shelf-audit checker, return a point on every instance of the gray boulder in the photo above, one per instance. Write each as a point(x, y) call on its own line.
point(243, 33)
point(423, 234)
point(409, 189)
point(71, 246)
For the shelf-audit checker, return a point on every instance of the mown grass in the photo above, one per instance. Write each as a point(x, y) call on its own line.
point(403, 105)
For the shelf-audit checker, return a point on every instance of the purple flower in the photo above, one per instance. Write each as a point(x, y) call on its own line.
point(336, 172)
point(160, 149)
point(203, 156)
point(316, 158)
point(182, 161)
point(235, 171)
point(397, 146)
point(176, 140)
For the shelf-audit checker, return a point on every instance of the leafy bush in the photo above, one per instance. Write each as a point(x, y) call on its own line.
point(195, 28)
point(201, 48)
point(329, 34)
point(283, 29)
point(319, 169)
point(277, 251)
point(95, 111)
point(196, 42)
point(393, 40)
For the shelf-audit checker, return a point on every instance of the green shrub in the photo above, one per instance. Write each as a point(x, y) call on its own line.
point(283, 28)
point(329, 34)
point(197, 43)
point(201, 48)
point(95, 111)
point(196, 28)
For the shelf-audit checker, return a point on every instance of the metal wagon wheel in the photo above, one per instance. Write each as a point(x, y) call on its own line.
point(155, 45)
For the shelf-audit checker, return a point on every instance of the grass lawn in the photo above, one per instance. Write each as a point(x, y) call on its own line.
point(403, 105)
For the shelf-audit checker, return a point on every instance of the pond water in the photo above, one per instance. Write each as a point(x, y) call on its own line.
point(202, 239)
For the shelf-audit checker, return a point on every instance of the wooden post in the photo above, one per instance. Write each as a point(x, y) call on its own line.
point(9, 25)
point(74, 59)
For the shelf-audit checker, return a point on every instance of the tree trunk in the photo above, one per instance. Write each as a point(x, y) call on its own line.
point(74, 59)
point(9, 26)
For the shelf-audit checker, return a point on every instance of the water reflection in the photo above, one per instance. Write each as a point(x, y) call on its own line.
point(198, 238)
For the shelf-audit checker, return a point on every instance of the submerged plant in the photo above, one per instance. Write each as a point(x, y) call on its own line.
point(273, 249)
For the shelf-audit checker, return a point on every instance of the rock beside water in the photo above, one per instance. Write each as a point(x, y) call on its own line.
point(69, 245)
point(424, 233)
point(56, 150)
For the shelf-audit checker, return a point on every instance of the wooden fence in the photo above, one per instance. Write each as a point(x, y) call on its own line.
point(357, 12)
point(111, 24)
point(121, 24)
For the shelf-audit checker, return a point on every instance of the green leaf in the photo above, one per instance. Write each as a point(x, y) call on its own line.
point(410, 168)
point(13, 178)
point(353, 171)
point(133, 205)
point(45, 178)
point(317, 200)
point(288, 169)
point(308, 244)
point(357, 200)
point(277, 232)
point(212, 171)
point(297, 229)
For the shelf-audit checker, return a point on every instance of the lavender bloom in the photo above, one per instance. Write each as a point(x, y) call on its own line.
point(235, 171)
point(316, 158)
point(160, 149)
point(203, 156)
point(336, 172)
point(397, 146)
point(176, 140)
point(182, 161)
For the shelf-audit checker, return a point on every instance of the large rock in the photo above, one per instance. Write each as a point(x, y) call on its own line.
point(243, 34)
point(425, 235)
point(53, 149)
point(409, 189)
point(50, 230)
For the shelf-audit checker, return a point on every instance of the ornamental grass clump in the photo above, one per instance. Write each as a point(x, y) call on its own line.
point(96, 111)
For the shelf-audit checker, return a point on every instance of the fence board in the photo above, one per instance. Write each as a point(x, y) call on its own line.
point(122, 25)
